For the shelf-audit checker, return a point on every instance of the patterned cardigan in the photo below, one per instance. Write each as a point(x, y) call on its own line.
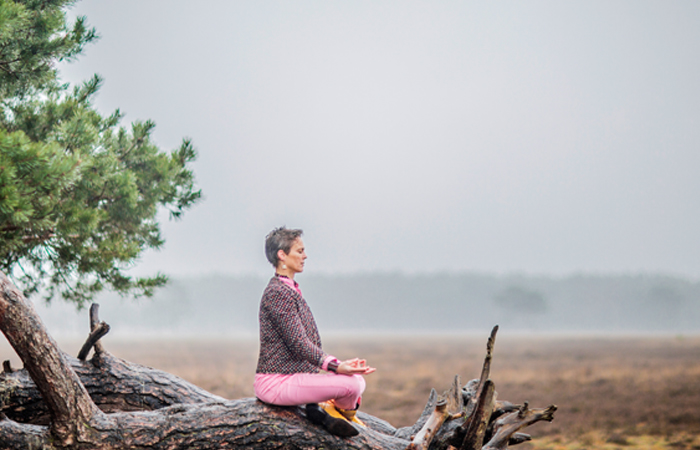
point(289, 338)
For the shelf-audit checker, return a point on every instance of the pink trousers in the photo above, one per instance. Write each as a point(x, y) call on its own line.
point(302, 388)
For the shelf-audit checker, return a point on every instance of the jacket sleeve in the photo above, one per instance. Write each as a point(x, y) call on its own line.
point(284, 315)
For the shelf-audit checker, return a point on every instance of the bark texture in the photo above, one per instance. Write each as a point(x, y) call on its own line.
point(61, 402)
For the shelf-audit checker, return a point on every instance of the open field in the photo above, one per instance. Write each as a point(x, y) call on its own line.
point(631, 392)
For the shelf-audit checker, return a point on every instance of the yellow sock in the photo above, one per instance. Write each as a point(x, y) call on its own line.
point(351, 415)
point(330, 408)
point(348, 414)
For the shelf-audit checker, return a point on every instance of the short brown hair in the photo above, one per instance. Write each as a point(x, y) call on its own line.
point(280, 239)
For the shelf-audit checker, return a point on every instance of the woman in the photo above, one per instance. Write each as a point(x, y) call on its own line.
point(290, 347)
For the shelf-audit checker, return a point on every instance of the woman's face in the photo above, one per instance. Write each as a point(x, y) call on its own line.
point(295, 259)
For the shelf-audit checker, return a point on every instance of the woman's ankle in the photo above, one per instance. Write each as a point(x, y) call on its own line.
point(335, 426)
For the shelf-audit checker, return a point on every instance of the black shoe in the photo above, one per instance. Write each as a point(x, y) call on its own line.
point(338, 427)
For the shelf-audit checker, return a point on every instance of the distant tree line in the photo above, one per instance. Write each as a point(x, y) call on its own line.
point(438, 302)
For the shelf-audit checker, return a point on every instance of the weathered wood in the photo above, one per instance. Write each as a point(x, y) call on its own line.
point(453, 408)
point(473, 391)
point(519, 438)
point(20, 436)
point(455, 398)
point(69, 404)
point(95, 335)
point(507, 426)
point(474, 438)
point(238, 424)
point(409, 433)
point(485, 370)
point(94, 323)
point(426, 434)
point(112, 383)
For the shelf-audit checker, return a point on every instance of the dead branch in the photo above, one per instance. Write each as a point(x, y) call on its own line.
point(97, 333)
point(485, 370)
point(94, 323)
point(478, 422)
point(507, 426)
point(426, 434)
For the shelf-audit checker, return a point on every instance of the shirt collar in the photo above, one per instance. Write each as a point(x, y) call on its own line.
point(288, 281)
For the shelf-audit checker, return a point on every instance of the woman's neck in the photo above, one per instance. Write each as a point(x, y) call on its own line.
point(285, 272)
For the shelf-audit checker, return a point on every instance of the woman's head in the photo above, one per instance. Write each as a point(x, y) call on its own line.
point(280, 239)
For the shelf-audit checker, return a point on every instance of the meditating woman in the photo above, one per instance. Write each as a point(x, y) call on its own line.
point(290, 347)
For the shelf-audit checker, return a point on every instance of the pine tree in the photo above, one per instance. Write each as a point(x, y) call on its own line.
point(78, 192)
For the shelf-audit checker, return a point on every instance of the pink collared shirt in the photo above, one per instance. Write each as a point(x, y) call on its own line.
point(289, 282)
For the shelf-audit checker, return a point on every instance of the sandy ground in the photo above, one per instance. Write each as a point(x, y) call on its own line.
point(615, 387)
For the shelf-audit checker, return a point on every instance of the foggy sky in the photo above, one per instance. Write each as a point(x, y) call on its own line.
point(535, 137)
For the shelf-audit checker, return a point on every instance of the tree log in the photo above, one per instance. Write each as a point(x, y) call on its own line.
point(112, 383)
point(107, 403)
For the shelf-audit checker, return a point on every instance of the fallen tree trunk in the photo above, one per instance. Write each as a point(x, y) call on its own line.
point(61, 402)
point(112, 383)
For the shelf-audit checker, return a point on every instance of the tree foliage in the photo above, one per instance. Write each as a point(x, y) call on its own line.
point(78, 192)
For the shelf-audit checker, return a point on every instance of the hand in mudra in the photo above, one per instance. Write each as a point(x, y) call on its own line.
point(354, 366)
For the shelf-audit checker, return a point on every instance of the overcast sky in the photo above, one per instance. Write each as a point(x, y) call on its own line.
point(535, 137)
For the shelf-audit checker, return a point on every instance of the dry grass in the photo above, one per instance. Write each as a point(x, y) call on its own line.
point(615, 441)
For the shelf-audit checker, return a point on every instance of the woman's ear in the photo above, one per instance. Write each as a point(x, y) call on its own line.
point(281, 255)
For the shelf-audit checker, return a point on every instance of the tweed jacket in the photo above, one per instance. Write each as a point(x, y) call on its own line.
point(289, 339)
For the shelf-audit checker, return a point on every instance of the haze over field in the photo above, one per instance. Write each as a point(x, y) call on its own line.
point(417, 137)
point(216, 306)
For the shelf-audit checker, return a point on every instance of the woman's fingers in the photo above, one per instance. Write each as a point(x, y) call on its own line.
point(355, 366)
point(356, 362)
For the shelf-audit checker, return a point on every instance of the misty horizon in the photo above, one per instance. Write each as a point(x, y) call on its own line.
point(398, 304)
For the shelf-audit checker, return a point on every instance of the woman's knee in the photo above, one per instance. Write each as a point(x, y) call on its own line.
point(356, 384)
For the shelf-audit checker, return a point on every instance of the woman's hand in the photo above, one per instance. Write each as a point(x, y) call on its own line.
point(354, 366)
